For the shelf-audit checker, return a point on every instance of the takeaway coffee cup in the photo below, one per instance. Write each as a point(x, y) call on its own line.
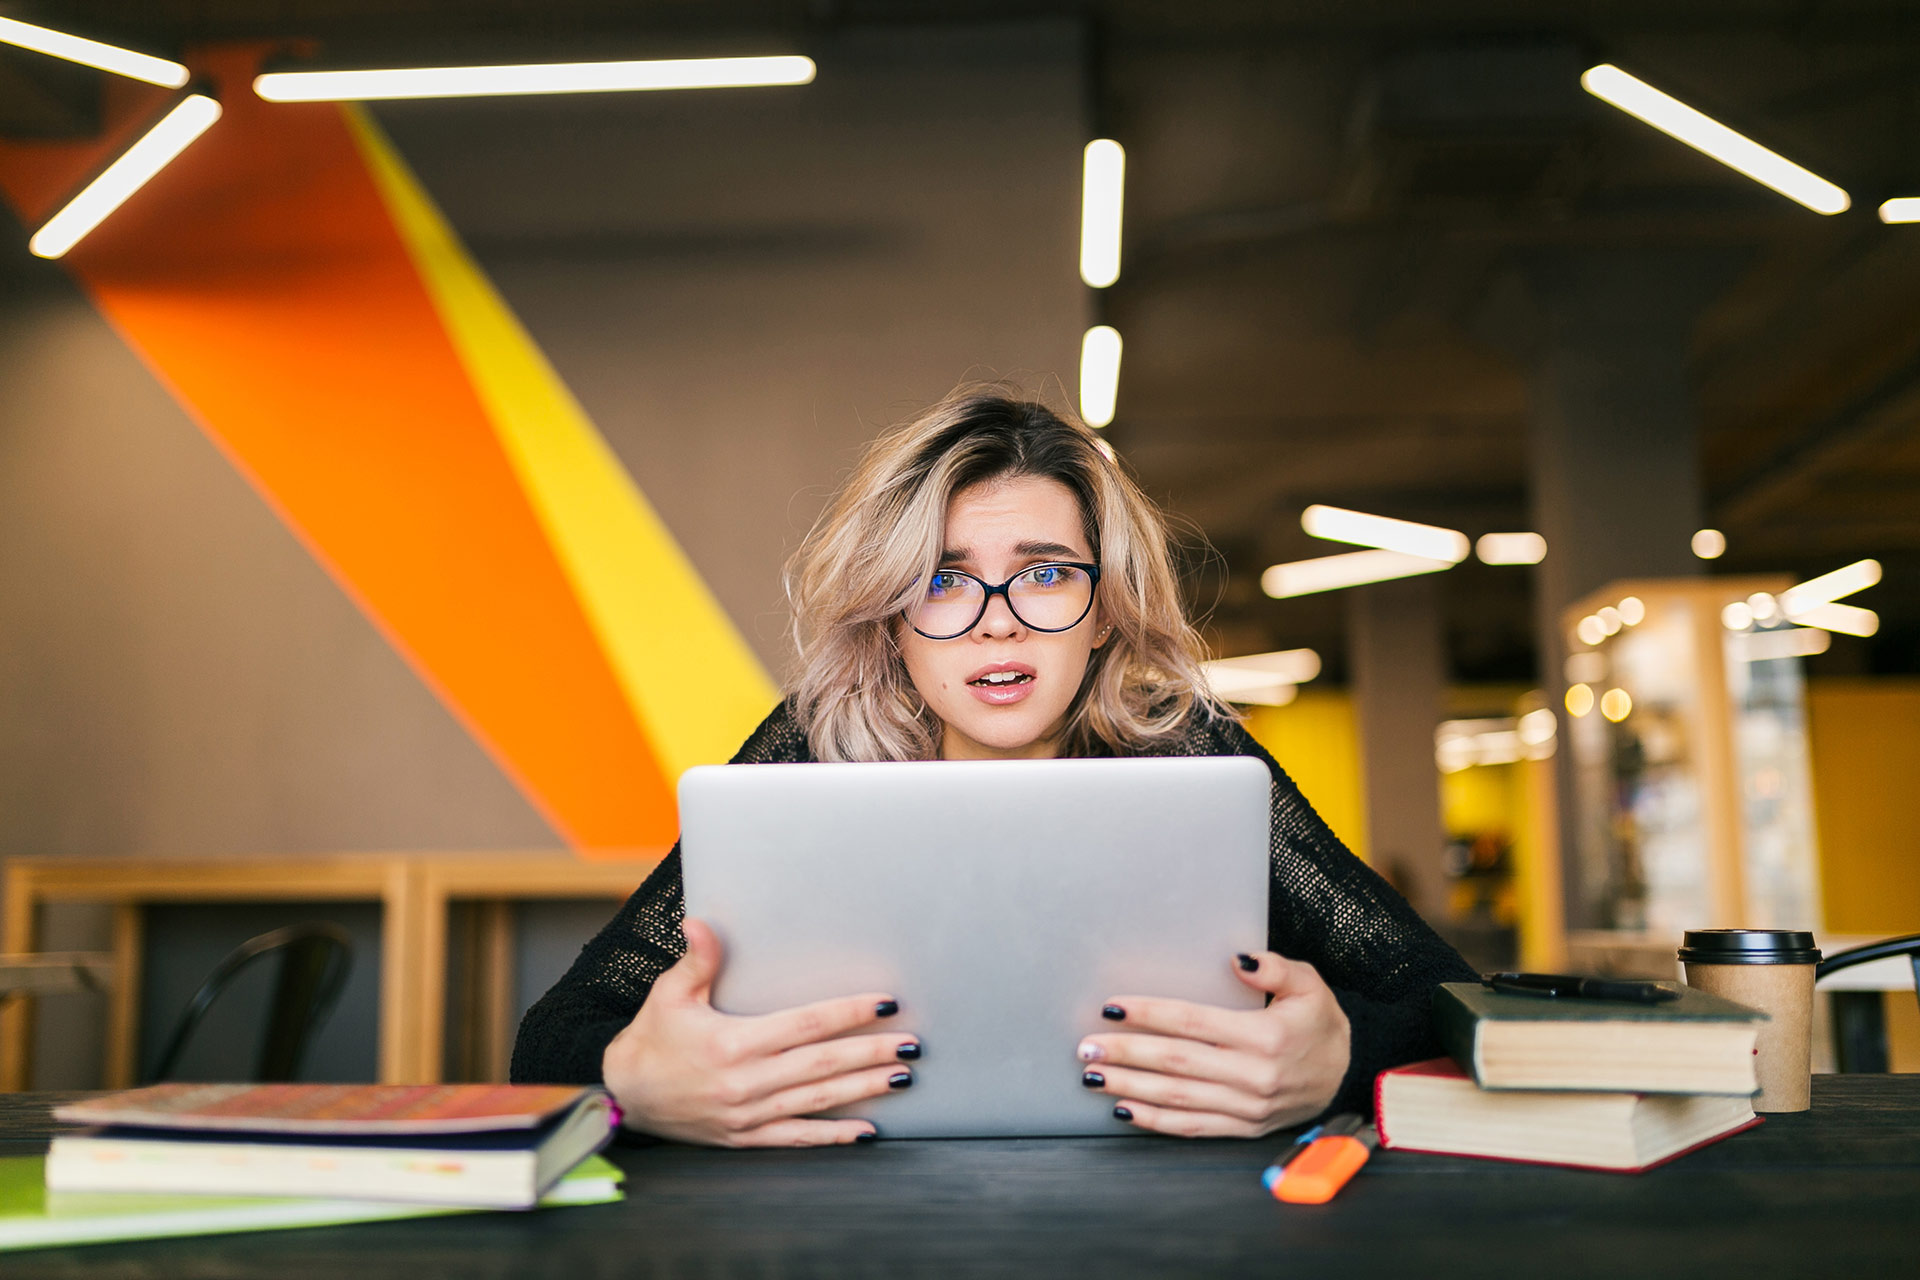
point(1770, 970)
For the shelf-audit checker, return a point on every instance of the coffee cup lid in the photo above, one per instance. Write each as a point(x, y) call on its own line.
point(1749, 946)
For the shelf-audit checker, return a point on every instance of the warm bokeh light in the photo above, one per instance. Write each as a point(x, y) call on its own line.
point(1591, 630)
point(1511, 548)
point(1709, 544)
point(1737, 616)
point(1705, 134)
point(1615, 705)
point(1633, 611)
point(1579, 699)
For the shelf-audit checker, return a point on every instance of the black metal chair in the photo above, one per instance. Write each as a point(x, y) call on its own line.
point(314, 962)
point(1860, 1017)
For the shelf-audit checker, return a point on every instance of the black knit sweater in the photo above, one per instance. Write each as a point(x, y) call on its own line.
point(1324, 906)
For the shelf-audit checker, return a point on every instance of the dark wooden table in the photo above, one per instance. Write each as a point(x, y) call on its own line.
point(1834, 1192)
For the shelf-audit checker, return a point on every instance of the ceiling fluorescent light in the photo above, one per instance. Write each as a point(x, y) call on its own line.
point(1901, 209)
point(1099, 374)
point(1248, 688)
point(1828, 587)
point(1336, 524)
point(1511, 548)
point(190, 118)
point(1848, 620)
point(1764, 646)
point(1102, 182)
point(106, 57)
point(1292, 666)
point(1354, 569)
point(557, 77)
point(1703, 133)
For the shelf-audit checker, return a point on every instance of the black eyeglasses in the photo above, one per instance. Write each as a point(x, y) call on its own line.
point(1046, 597)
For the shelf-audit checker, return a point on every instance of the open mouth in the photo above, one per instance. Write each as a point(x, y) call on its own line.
point(1001, 679)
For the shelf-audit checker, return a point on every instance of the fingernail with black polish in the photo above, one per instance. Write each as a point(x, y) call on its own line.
point(1113, 1013)
point(1092, 1079)
point(886, 1008)
point(907, 1052)
point(1121, 1113)
point(1247, 962)
point(899, 1079)
point(868, 1136)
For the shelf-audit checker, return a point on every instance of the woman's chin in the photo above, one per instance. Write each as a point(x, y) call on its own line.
point(1008, 735)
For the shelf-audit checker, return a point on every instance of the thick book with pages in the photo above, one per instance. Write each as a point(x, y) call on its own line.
point(1434, 1107)
point(1698, 1043)
point(31, 1217)
point(482, 1146)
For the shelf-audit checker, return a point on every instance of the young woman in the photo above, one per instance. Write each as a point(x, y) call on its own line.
point(990, 584)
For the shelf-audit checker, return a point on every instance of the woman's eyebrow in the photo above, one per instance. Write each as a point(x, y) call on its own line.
point(1043, 549)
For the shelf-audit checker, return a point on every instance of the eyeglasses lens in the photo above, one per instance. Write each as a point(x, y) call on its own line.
point(1047, 597)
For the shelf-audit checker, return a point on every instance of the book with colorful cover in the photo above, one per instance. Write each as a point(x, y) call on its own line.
point(32, 1217)
point(1695, 1043)
point(1435, 1107)
point(483, 1146)
point(336, 1109)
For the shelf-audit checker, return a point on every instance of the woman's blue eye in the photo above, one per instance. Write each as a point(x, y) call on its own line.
point(1049, 575)
point(941, 584)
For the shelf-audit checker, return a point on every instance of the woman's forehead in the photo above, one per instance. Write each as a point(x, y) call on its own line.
point(997, 515)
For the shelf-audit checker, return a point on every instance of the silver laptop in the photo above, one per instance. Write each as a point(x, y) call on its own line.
point(1002, 902)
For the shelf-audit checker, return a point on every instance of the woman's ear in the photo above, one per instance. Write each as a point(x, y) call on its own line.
point(1106, 633)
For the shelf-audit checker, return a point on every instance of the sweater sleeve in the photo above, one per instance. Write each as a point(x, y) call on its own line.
point(567, 1031)
point(1370, 946)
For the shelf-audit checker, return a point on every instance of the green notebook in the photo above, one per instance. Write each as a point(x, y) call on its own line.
point(1698, 1043)
point(31, 1217)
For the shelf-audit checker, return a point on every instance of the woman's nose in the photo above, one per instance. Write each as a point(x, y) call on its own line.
point(998, 621)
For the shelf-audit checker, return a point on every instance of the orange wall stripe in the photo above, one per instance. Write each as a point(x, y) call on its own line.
point(262, 280)
point(688, 674)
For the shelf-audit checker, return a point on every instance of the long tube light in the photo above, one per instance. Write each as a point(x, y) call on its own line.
point(1354, 569)
point(1705, 134)
point(1793, 642)
point(1102, 184)
point(1828, 587)
point(1337, 524)
point(191, 117)
point(92, 53)
point(1099, 374)
point(556, 77)
point(1847, 619)
point(1900, 209)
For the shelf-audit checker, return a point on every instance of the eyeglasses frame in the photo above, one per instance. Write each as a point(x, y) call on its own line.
point(1091, 570)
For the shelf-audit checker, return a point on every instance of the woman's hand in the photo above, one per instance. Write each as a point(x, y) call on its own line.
point(1203, 1071)
point(682, 1069)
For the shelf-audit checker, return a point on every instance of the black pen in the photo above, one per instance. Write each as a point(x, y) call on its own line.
point(1576, 987)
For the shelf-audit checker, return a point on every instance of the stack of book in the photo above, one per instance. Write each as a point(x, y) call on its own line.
point(1600, 1084)
point(189, 1159)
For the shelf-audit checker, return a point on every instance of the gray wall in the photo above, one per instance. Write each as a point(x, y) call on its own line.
point(740, 288)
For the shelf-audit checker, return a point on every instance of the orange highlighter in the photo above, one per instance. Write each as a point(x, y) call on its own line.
point(1314, 1171)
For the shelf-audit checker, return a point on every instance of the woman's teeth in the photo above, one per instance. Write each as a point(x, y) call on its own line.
point(1004, 677)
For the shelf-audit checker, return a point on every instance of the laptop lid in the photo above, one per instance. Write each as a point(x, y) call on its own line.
point(1002, 902)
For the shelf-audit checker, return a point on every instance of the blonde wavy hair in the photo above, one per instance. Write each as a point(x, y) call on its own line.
point(868, 556)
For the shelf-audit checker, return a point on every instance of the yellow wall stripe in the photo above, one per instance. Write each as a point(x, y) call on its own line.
point(696, 687)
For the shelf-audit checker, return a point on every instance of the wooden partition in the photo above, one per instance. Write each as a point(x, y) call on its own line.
point(415, 892)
